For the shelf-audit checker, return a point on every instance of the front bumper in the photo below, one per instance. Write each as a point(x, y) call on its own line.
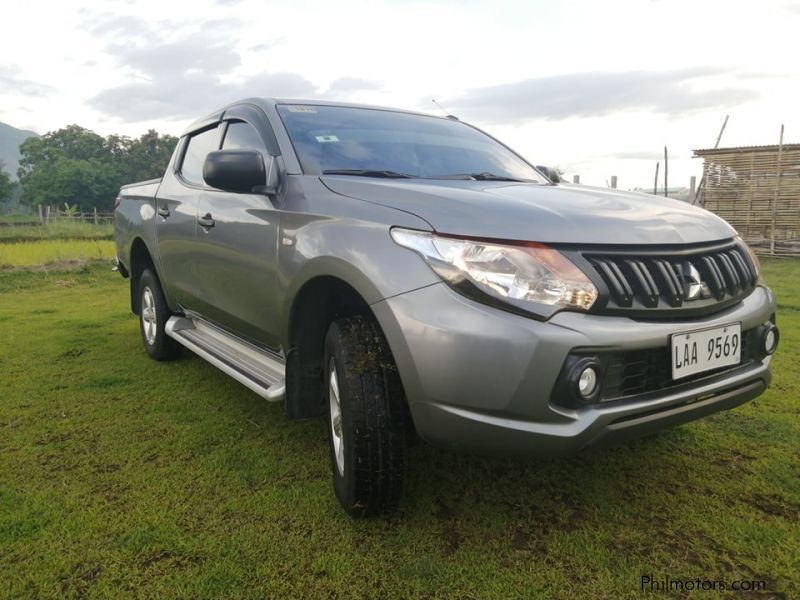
point(481, 379)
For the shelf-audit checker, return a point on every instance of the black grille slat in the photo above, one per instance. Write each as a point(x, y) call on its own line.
point(618, 284)
point(700, 280)
point(715, 278)
point(751, 269)
point(673, 284)
point(744, 272)
point(648, 289)
point(730, 273)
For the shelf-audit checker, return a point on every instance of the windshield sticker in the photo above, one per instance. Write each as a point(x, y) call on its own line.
point(301, 109)
point(325, 139)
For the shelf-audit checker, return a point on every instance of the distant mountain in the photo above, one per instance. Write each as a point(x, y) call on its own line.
point(10, 139)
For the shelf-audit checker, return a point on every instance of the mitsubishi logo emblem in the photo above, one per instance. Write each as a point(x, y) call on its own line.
point(695, 287)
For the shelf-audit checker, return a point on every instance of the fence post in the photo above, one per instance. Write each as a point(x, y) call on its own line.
point(41, 215)
point(778, 173)
point(576, 179)
point(655, 181)
point(95, 215)
point(614, 182)
point(666, 169)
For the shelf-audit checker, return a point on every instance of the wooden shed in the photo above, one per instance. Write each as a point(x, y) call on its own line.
point(757, 190)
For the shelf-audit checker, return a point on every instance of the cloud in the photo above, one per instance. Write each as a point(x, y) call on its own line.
point(194, 52)
point(118, 26)
point(641, 155)
point(190, 95)
point(207, 45)
point(187, 75)
point(599, 93)
point(346, 85)
point(268, 45)
point(12, 82)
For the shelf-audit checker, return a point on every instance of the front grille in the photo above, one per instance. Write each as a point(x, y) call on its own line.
point(653, 282)
point(636, 372)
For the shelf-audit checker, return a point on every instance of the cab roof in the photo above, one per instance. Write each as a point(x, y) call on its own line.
point(266, 103)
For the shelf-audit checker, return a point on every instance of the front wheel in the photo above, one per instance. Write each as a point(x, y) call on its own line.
point(366, 417)
point(153, 316)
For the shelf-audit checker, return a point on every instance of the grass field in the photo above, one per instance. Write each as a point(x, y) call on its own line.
point(121, 477)
point(59, 230)
point(46, 252)
point(55, 245)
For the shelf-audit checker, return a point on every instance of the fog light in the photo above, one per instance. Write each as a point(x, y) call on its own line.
point(587, 382)
point(771, 339)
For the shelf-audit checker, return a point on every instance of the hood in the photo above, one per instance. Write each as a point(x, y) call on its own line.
point(539, 213)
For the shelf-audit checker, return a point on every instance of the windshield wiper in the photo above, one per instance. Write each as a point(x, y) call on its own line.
point(369, 173)
point(479, 177)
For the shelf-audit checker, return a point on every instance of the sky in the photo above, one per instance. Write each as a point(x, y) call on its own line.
point(593, 88)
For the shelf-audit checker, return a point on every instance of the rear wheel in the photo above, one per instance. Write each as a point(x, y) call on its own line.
point(153, 316)
point(366, 417)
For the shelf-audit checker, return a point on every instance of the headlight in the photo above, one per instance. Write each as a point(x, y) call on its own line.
point(527, 275)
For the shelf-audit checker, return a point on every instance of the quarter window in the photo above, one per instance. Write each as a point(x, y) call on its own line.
point(198, 148)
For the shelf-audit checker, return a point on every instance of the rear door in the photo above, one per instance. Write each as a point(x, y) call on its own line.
point(177, 203)
point(236, 259)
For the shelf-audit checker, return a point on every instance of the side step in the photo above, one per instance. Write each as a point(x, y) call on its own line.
point(260, 370)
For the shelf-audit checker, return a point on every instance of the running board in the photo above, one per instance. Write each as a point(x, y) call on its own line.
point(260, 370)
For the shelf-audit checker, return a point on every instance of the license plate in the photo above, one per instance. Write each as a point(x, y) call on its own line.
point(705, 349)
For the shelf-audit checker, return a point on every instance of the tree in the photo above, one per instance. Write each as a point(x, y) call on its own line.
point(7, 186)
point(77, 166)
point(72, 141)
point(148, 156)
point(71, 165)
point(84, 183)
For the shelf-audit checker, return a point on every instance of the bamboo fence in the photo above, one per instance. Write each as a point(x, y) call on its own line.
point(757, 190)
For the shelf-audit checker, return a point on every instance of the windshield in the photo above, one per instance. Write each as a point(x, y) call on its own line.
point(381, 143)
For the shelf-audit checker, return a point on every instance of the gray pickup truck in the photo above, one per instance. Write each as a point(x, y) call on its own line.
point(410, 276)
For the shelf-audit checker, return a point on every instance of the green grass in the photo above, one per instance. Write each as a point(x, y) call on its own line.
point(44, 252)
point(122, 477)
point(17, 218)
point(59, 230)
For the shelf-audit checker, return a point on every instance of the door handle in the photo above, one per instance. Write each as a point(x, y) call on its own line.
point(206, 221)
point(163, 211)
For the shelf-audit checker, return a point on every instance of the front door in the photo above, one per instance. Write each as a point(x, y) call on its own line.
point(235, 261)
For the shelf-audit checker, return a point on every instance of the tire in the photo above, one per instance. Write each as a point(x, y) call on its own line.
point(366, 416)
point(153, 316)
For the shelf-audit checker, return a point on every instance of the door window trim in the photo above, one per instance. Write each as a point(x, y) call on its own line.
point(229, 121)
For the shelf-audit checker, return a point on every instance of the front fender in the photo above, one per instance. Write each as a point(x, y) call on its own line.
point(362, 254)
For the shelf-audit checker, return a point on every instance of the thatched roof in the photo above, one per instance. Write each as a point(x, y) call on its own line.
point(746, 149)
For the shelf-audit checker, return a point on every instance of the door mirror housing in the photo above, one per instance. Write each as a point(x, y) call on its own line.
point(242, 171)
point(550, 173)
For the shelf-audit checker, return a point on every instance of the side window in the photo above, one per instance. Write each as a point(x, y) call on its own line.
point(198, 148)
point(243, 135)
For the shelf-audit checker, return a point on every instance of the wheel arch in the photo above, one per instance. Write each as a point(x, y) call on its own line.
point(140, 260)
point(316, 303)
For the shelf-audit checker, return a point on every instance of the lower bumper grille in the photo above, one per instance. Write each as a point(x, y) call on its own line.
point(642, 371)
point(633, 374)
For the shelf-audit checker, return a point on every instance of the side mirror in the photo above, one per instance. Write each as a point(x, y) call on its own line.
point(550, 173)
point(241, 171)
